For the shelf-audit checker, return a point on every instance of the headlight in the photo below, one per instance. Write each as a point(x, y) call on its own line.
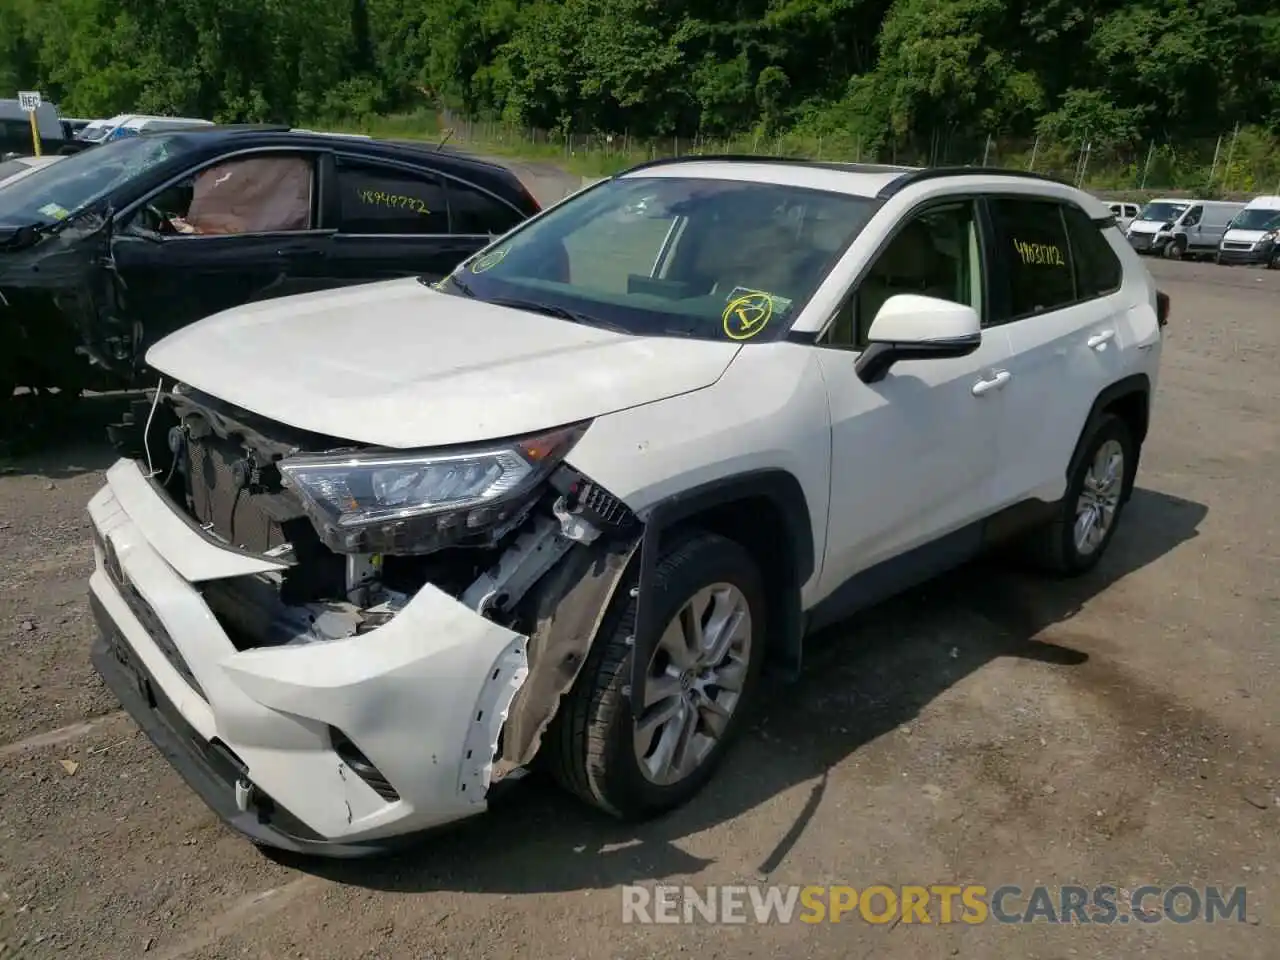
point(417, 502)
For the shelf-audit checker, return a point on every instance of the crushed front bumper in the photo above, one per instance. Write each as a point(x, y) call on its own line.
point(265, 735)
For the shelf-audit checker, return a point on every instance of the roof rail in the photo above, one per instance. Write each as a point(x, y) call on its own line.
point(753, 158)
point(921, 174)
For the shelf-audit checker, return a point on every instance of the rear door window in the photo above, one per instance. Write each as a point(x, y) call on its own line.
point(1031, 243)
point(376, 198)
point(471, 210)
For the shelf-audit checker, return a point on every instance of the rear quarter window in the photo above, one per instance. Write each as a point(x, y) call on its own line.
point(378, 198)
point(1097, 268)
point(471, 210)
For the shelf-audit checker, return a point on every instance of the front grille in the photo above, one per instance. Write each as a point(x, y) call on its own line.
point(223, 500)
point(1236, 245)
point(144, 612)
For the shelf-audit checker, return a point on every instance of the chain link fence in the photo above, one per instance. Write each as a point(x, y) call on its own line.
point(1241, 162)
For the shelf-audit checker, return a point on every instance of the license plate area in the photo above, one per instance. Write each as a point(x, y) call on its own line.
point(124, 656)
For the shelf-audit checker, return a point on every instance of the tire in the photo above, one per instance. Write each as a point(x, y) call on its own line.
point(1054, 548)
point(1175, 249)
point(594, 750)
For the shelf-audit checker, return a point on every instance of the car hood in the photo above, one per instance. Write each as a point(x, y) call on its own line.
point(398, 364)
point(1244, 236)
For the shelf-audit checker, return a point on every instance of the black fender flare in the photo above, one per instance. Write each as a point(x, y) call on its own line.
point(1135, 384)
point(781, 489)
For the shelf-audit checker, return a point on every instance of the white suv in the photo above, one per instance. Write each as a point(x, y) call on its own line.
point(394, 545)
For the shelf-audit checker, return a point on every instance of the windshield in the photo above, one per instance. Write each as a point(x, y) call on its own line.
point(1163, 211)
point(674, 256)
point(1257, 218)
point(56, 191)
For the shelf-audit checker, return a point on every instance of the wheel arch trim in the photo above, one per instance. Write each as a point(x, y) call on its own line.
point(780, 488)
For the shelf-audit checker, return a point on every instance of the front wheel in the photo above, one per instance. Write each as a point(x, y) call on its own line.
point(1075, 540)
point(699, 684)
point(1175, 249)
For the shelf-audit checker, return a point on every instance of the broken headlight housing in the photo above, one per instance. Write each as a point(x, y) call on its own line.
point(402, 502)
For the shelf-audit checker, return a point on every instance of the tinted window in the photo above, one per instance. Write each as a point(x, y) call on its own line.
point(381, 199)
point(715, 259)
point(1097, 267)
point(474, 211)
point(1033, 244)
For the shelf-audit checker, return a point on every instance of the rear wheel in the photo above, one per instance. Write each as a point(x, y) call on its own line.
point(1075, 540)
point(700, 682)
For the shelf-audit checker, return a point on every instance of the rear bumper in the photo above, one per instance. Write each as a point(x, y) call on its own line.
point(422, 698)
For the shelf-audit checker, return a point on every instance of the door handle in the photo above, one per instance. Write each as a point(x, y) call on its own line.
point(1099, 341)
point(309, 252)
point(995, 383)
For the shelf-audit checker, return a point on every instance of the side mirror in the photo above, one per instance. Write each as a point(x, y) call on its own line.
point(912, 327)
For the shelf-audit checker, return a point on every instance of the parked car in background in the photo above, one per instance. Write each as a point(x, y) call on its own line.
point(1254, 235)
point(1155, 216)
point(15, 168)
point(73, 125)
point(131, 125)
point(15, 129)
point(151, 233)
point(1124, 212)
point(1198, 231)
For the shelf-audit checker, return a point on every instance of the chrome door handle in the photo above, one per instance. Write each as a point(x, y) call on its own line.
point(995, 383)
point(1099, 341)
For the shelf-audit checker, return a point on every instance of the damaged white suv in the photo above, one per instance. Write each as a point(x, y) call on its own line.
point(394, 545)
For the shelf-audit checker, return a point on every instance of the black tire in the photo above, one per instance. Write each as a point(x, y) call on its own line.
point(591, 743)
point(1052, 548)
point(1175, 249)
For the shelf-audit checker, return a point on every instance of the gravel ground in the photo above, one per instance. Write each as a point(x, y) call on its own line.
point(990, 728)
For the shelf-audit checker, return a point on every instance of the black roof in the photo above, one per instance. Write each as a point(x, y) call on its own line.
point(448, 161)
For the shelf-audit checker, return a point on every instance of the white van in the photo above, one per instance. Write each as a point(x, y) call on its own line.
point(1199, 231)
point(1155, 216)
point(1254, 235)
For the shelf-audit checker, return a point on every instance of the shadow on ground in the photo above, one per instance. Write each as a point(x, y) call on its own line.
point(59, 443)
point(861, 680)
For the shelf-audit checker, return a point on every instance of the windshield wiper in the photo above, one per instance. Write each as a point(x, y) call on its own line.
point(560, 313)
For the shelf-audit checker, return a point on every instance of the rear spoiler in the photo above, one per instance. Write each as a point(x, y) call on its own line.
point(1163, 305)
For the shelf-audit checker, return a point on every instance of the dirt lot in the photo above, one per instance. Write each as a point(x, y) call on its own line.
point(992, 728)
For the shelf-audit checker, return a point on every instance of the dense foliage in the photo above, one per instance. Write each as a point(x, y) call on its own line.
point(898, 70)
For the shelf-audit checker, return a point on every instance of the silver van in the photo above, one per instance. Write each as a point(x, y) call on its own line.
point(1156, 216)
point(1199, 231)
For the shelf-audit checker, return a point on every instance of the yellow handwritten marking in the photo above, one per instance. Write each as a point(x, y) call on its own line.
point(488, 261)
point(1039, 254)
point(378, 198)
point(747, 315)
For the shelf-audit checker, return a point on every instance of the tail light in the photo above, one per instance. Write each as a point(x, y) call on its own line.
point(1162, 308)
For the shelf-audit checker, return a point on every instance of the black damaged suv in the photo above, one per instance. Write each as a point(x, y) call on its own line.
point(107, 251)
